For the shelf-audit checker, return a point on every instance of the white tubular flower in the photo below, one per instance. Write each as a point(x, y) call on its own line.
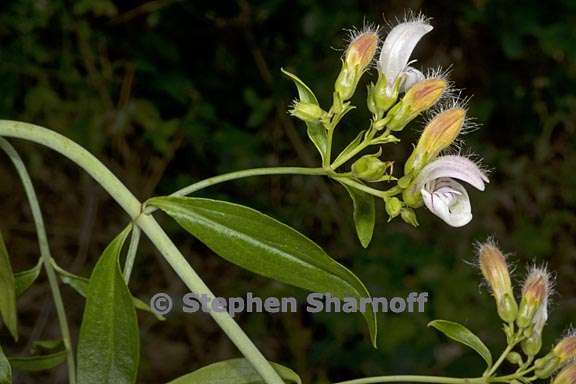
point(443, 195)
point(396, 51)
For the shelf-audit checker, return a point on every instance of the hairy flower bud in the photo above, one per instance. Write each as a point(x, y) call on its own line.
point(535, 293)
point(361, 50)
point(565, 350)
point(420, 97)
point(308, 112)
point(566, 376)
point(533, 343)
point(371, 168)
point(438, 135)
point(495, 270)
point(358, 56)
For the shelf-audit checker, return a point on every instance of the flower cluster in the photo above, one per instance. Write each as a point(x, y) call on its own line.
point(524, 322)
point(431, 176)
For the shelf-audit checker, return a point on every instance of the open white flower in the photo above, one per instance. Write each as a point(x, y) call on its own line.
point(396, 51)
point(443, 195)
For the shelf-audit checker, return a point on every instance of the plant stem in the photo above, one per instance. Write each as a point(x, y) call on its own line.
point(247, 173)
point(415, 379)
point(149, 226)
point(341, 160)
point(45, 255)
point(132, 250)
point(362, 187)
point(328, 157)
point(500, 360)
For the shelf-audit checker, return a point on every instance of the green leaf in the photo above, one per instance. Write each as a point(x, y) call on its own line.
point(350, 147)
point(108, 345)
point(80, 285)
point(234, 371)
point(316, 131)
point(38, 363)
point(265, 246)
point(463, 335)
point(5, 369)
point(8, 289)
point(25, 279)
point(364, 214)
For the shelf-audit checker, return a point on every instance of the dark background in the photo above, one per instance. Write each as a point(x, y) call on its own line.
point(169, 92)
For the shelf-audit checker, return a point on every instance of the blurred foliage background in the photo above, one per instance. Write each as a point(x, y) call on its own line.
point(169, 92)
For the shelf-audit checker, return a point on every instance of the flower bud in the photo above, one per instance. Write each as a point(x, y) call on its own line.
point(565, 350)
point(438, 135)
point(532, 345)
point(534, 294)
point(361, 49)
point(371, 168)
point(393, 207)
point(308, 112)
point(514, 358)
point(409, 216)
point(420, 97)
point(495, 270)
point(358, 56)
point(566, 376)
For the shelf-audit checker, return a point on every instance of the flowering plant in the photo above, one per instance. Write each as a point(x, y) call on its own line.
point(108, 344)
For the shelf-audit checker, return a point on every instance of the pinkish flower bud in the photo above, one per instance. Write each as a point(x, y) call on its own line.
point(361, 50)
point(358, 56)
point(420, 97)
point(565, 350)
point(495, 270)
point(535, 293)
point(566, 376)
point(438, 135)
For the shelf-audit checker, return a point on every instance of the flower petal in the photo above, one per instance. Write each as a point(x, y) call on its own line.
point(448, 199)
point(411, 77)
point(457, 167)
point(398, 47)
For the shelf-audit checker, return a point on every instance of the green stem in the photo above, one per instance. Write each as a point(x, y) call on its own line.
point(415, 379)
point(500, 360)
point(45, 255)
point(247, 173)
point(132, 250)
point(362, 187)
point(328, 157)
point(149, 226)
point(341, 160)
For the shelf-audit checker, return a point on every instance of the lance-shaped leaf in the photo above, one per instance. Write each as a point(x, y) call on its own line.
point(234, 371)
point(38, 363)
point(265, 246)
point(463, 335)
point(8, 289)
point(364, 214)
point(5, 369)
point(108, 346)
point(316, 131)
point(25, 279)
